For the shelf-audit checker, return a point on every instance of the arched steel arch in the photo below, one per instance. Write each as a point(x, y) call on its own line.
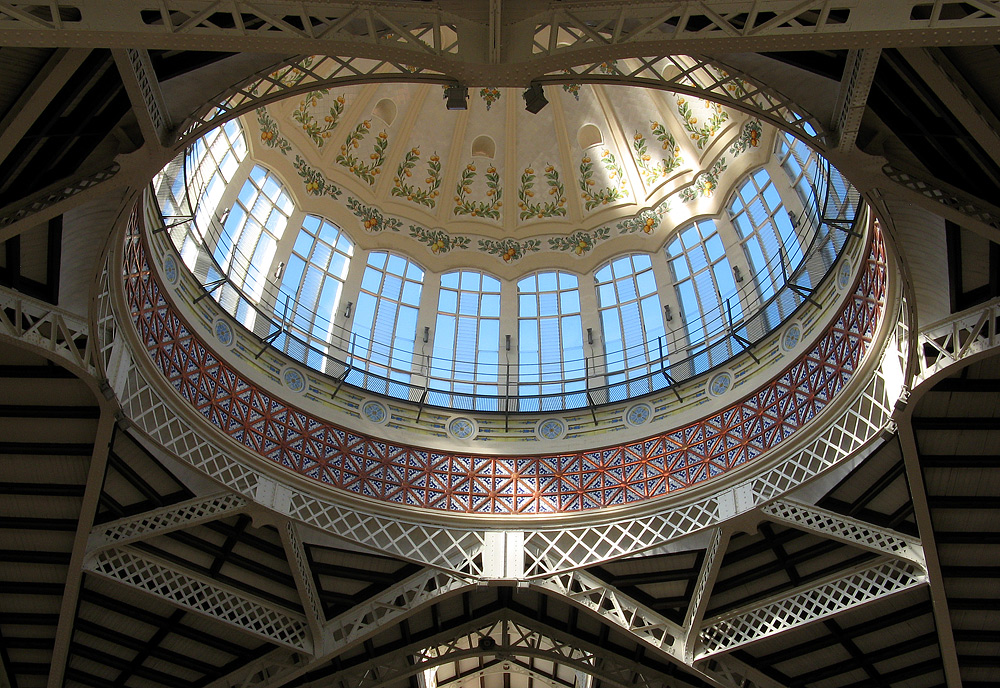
point(695, 76)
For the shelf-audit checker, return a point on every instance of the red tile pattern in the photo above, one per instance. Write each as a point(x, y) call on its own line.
point(368, 466)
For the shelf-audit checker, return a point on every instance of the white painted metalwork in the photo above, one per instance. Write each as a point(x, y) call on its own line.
point(805, 605)
point(710, 567)
point(54, 194)
point(144, 92)
point(445, 31)
point(513, 635)
point(152, 523)
point(588, 591)
point(698, 77)
point(363, 621)
point(305, 584)
point(547, 551)
point(264, 670)
point(639, 621)
point(950, 341)
point(205, 596)
point(297, 76)
point(853, 98)
point(844, 529)
point(572, 547)
point(942, 194)
point(34, 322)
point(694, 76)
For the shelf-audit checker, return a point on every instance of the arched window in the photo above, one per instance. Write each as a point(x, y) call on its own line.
point(249, 237)
point(706, 291)
point(210, 163)
point(822, 189)
point(766, 231)
point(311, 288)
point(385, 320)
point(466, 353)
point(550, 336)
point(632, 322)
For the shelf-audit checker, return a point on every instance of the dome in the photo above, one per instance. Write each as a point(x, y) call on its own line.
point(700, 227)
point(206, 479)
point(665, 258)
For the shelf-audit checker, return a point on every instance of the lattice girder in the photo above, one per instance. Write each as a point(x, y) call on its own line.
point(52, 196)
point(478, 39)
point(189, 590)
point(590, 592)
point(165, 520)
point(951, 341)
point(848, 530)
point(364, 620)
point(38, 324)
point(691, 75)
point(513, 634)
point(807, 604)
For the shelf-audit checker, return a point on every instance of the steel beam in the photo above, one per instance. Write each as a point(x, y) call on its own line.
point(74, 577)
point(298, 563)
point(807, 604)
point(144, 93)
point(944, 199)
point(175, 517)
point(925, 526)
point(203, 595)
point(37, 96)
point(54, 200)
point(550, 31)
point(850, 531)
point(853, 97)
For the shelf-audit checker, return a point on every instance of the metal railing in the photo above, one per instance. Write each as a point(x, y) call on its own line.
point(401, 369)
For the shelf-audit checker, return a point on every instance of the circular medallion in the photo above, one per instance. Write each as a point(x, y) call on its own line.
point(462, 428)
point(792, 337)
point(170, 269)
point(551, 429)
point(844, 273)
point(720, 384)
point(294, 379)
point(375, 411)
point(638, 414)
point(223, 332)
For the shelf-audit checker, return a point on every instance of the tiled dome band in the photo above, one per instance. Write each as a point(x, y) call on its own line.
point(568, 482)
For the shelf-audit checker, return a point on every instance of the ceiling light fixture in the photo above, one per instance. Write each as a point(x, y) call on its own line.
point(457, 97)
point(534, 99)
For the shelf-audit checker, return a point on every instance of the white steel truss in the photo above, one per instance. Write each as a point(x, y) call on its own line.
point(46, 327)
point(366, 619)
point(556, 549)
point(703, 591)
point(853, 98)
point(808, 604)
point(950, 341)
point(512, 634)
point(152, 523)
point(203, 595)
point(305, 585)
point(552, 30)
point(54, 195)
point(851, 531)
point(588, 591)
point(507, 665)
point(946, 198)
point(143, 91)
point(691, 75)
